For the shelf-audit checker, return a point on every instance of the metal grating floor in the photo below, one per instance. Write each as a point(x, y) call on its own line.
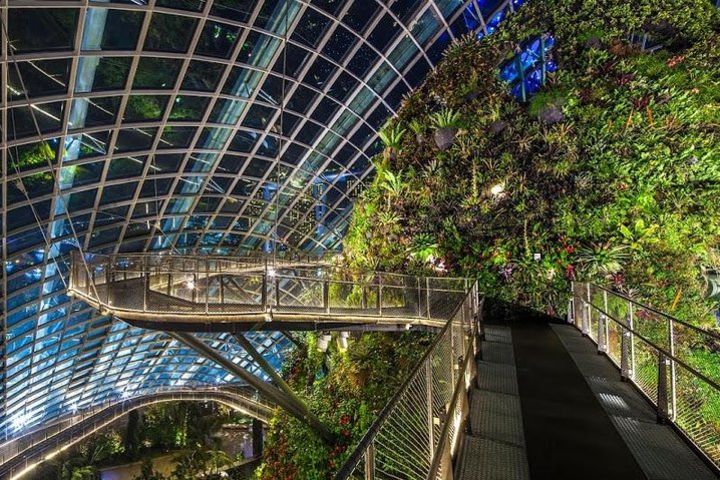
point(495, 447)
point(485, 459)
point(496, 352)
point(495, 333)
point(497, 377)
point(660, 452)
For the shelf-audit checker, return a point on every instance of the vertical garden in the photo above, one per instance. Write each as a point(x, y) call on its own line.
point(581, 141)
point(602, 165)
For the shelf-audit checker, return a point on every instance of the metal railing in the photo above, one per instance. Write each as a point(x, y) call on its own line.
point(674, 364)
point(200, 288)
point(25, 452)
point(419, 431)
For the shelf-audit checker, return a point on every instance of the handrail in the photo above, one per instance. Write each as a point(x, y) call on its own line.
point(198, 292)
point(445, 432)
point(658, 312)
point(422, 394)
point(670, 356)
point(365, 441)
point(680, 393)
point(27, 456)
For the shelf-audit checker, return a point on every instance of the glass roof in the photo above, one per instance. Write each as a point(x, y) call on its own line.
point(195, 126)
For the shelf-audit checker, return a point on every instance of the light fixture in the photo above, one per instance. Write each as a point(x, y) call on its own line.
point(190, 285)
point(343, 340)
point(271, 272)
point(498, 189)
point(323, 342)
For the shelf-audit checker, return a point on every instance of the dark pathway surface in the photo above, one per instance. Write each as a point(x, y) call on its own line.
point(547, 406)
point(567, 432)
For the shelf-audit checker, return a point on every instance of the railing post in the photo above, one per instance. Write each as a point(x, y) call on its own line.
point(380, 303)
point(673, 379)
point(277, 291)
point(662, 389)
point(601, 334)
point(326, 295)
point(207, 286)
point(429, 402)
point(222, 290)
point(146, 283)
point(370, 462)
point(588, 310)
point(427, 295)
point(625, 360)
point(363, 297)
point(419, 297)
point(264, 292)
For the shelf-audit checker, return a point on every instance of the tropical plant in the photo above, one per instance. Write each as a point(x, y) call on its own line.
point(446, 118)
point(391, 136)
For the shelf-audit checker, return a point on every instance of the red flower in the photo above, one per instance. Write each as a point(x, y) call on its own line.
point(676, 60)
point(344, 420)
point(570, 272)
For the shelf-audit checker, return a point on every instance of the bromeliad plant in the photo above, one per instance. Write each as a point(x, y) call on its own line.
point(446, 123)
point(391, 136)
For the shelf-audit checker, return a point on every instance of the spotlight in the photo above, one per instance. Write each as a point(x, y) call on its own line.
point(498, 189)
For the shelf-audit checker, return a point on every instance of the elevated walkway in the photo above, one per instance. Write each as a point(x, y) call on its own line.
point(21, 455)
point(617, 395)
point(202, 293)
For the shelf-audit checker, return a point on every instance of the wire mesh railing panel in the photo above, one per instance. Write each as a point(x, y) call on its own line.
point(651, 326)
point(646, 368)
point(698, 412)
point(673, 363)
point(615, 333)
point(697, 349)
point(424, 419)
point(299, 293)
point(594, 321)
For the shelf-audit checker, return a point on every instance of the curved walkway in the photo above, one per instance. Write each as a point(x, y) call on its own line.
point(23, 454)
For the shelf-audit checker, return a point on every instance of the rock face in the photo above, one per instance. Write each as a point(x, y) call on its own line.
point(551, 114)
point(444, 137)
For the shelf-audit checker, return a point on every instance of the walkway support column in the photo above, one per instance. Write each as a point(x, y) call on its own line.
point(271, 372)
point(265, 389)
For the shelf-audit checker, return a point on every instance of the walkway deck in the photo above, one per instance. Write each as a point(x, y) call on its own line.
point(130, 301)
point(548, 406)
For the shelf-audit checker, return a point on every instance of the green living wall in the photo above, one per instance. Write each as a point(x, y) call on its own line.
point(611, 172)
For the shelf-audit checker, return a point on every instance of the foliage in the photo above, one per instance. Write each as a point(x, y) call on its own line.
point(392, 135)
point(186, 427)
point(445, 118)
point(346, 389)
point(623, 189)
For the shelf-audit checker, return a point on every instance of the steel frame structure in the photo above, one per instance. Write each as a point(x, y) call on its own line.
point(59, 354)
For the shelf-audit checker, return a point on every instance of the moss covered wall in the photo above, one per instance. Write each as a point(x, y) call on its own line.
point(610, 173)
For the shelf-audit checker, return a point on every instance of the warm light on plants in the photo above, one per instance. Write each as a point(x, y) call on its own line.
point(497, 189)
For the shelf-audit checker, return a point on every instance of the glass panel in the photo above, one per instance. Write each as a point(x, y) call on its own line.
point(156, 73)
point(104, 73)
point(169, 33)
point(143, 108)
point(188, 108)
point(56, 25)
point(217, 40)
point(108, 29)
point(40, 77)
point(202, 76)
